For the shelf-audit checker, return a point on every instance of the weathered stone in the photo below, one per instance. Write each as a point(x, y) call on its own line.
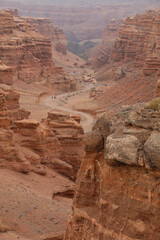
point(152, 149)
point(115, 187)
point(157, 90)
point(33, 60)
point(123, 149)
point(94, 142)
point(63, 168)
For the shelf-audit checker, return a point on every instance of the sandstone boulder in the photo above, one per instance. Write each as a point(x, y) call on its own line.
point(152, 149)
point(62, 167)
point(123, 149)
point(94, 141)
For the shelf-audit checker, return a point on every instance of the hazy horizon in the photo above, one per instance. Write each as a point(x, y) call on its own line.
point(80, 2)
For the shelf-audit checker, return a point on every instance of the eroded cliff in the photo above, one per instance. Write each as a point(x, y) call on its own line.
point(138, 41)
point(100, 55)
point(33, 62)
point(117, 193)
point(46, 28)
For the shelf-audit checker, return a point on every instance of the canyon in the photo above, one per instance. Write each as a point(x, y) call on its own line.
point(77, 18)
point(79, 141)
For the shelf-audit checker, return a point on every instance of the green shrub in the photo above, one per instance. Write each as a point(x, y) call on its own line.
point(154, 104)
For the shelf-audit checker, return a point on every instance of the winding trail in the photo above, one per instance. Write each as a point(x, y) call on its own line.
point(57, 102)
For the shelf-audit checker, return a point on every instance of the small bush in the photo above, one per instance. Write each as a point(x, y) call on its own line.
point(154, 104)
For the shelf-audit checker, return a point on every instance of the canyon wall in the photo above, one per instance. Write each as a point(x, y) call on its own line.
point(117, 193)
point(46, 28)
point(135, 39)
point(29, 145)
point(139, 41)
point(10, 96)
point(78, 20)
point(33, 62)
point(100, 55)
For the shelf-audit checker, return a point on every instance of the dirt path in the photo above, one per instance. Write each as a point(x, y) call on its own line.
point(59, 102)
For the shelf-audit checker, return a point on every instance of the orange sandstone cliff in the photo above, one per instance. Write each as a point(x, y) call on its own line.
point(139, 41)
point(117, 192)
point(130, 68)
point(100, 55)
point(46, 28)
point(33, 62)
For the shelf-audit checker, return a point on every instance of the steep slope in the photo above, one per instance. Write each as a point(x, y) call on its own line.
point(117, 193)
point(100, 55)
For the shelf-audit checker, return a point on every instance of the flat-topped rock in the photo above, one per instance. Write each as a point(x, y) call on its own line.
point(27, 123)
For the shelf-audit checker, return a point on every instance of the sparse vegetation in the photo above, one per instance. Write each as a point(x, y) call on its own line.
point(154, 104)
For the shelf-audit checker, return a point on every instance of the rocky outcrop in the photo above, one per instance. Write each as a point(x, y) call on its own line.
point(10, 96)
point(46, 28)
point(14, 111)
point(117, 193)
point(157, 90)
point(100, 55)
point(69, 133)
point(33, 62)
point(152, 64)
point(6, 74)
point(56, 142)
point(138, 41)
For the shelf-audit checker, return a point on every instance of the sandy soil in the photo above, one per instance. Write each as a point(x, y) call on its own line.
point(30, 210)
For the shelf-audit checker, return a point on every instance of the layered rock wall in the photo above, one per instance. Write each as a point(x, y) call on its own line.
point(33, 51)
point(69, 133)
point(46, 28)
point(139, 41)
point(14, 112)
point(100, 55)
point(117, 193)
point(55, 142)
point(6, 74)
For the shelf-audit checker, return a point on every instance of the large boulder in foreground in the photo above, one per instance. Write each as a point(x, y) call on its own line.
point(152, 149)
point(123, 149)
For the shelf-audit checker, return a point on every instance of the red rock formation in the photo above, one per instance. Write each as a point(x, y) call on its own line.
point(14, 112)
point(12, 103)
point(70, 135)
point(33, 60)
point(117, 193)
point(46, 28)
point(157, 90)
point(139, 42)
point(152, 64)
point(55, 142)
point(6, 74)
point(100, 55)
